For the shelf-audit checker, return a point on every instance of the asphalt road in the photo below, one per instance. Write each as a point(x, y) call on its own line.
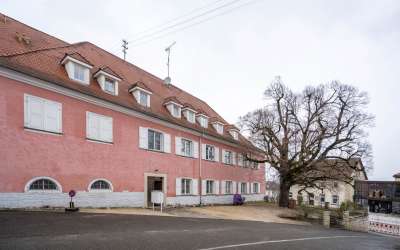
point(50, 230)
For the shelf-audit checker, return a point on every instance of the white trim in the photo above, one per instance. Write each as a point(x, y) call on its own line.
point(175, 103)
point(190, 109)
point(68, 58)
point(100, 190)
point(101, 72)
point(141, 89)
point(165, 186)
point(203, 115)
point(28, 184)
point(23, 78)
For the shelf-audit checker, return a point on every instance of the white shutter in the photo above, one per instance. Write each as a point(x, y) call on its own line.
point(178, 146)
point(148, 100)
point(223, 156)
point(116, 87)
point(52, 116)
point(234, 187)
point(239, 187)
point(195, 149)
point(178, 186)
point(216, 154)
point(216, 187)
point(203, 151)
point(34, 112)
point(251, 188)
point(143, 137)
point(92, 126)
point(223, 187)
point(106, 128)
point(248, 187)
point(167, 143)
point(203, 187)
point(195, 187)
point(233, 158)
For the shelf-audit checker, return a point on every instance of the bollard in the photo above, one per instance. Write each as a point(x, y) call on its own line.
point(326, 219)
point(346, 220)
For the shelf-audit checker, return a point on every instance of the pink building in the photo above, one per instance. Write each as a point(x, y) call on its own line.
point(75, 117)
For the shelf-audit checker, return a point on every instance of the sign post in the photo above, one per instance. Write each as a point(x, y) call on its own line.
point(72, 207)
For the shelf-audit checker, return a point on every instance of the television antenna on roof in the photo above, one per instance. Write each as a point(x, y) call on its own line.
point(168, 50)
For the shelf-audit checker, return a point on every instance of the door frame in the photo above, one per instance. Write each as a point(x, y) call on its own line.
point(164, 185)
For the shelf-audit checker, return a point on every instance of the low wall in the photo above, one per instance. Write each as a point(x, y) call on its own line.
point(107, 199)
point(384, 223)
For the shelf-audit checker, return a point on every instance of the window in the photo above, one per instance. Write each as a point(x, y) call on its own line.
point(209, 187)
point(176, 111)
point(79, 72)
point(335, 184)
point(109, 86)
point(240, 160)
point(322, 199)
point(186, 186)
point(143, 98)
point(255, 188)
point(43, 185)
point(155, 140)
point(322, 184)
point(190, 116)
point(235, 135)
point(100, 185)
point(243, 188)
point(311, 199)
point(219, 127)
point(290, 195)
point(99, 127)
point(187, 147)
point(228, 187)
point(228, 157)
point(42, 114)
point(203, 122)
point(335, 199)
point(210, 152)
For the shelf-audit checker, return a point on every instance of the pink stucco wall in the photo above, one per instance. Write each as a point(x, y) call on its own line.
point(74, 162)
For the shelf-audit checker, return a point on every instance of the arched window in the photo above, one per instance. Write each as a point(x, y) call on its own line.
point(100, 185)
point(43, 184)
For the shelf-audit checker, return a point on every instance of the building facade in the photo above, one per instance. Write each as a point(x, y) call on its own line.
point(75, 117)
point(333, 192)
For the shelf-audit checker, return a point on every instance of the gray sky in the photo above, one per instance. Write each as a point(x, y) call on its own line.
point(228, 61)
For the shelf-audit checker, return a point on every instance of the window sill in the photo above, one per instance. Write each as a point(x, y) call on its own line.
point(187, 195)
point(99, 141)
point(154, 150)
point(40, 131)
point(80, 81)
point(191, 157)
point(100, 191)
point(43, 191)
point(214, 161)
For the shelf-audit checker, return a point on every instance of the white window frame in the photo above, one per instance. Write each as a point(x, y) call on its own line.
point(45, 105)
point(99, 138)
point(256, 187)
point(337, 199)
point(230, 189)
point(107, 81)
point(78, 67)
point(184, 183)
point(243, 184)
point(184, 143)
point(191, 116)
point(143, 102)
point(176, 111)
point(28, 184)
point(203, 121)
point(207, 152)
point(154, 142)
point(230, 162)
point(210, 184)
point(90, 189)
point(322, 196)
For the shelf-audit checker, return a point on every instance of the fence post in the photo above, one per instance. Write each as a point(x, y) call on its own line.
point(346, 219)
point(326, 218)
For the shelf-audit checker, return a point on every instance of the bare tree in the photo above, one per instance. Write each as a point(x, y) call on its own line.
point(300, 132)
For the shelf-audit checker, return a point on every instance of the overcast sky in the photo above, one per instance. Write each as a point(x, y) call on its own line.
point(229, 60)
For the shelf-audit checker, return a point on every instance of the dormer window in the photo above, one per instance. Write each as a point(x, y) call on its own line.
point(174, 106)
point(219, 127)
point(203, 120)
point(77, 67)
point(107, 80)
point(141, 93)
point(189, 113)
point(234, 133)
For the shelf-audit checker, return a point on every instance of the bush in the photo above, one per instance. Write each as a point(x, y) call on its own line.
point(347, 206)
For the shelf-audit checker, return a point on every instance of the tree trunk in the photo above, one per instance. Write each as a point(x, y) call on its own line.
point(284, 194)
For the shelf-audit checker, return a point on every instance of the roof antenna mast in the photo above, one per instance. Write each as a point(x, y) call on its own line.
point(167, 80)
point(124, 47)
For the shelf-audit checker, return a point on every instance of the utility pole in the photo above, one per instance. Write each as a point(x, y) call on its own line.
point(168, 50)
point(124, 47)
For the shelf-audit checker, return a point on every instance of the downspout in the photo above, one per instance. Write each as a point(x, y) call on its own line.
point(200, 158)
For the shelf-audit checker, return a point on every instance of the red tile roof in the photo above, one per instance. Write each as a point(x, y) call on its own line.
point(42, 60)
point(78, 57)
point(108, 71)
point(140, 85)
point(172, 99)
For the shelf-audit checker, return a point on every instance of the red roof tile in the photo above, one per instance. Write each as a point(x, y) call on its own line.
point(108, 71)
point(78, 57)
point(140, 85)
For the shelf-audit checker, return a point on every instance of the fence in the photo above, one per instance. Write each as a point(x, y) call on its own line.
point(384, 223)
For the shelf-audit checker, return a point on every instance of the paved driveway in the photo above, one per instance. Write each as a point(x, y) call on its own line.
point(45, 230)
